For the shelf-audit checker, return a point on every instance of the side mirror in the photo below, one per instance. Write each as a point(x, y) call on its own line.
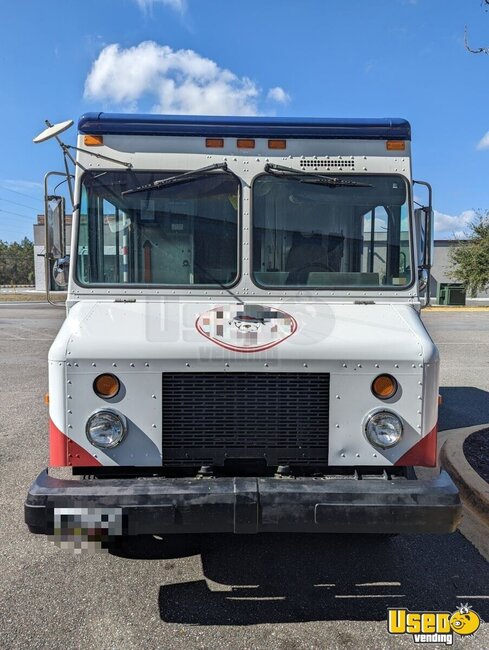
point(420, 226)
point(55, 227)
point(423, 223)
point(61, 271)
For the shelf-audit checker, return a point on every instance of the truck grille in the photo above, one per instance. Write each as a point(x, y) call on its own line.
point(277, 418)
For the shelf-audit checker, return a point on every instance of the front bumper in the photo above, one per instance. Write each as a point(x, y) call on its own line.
point(251, 505)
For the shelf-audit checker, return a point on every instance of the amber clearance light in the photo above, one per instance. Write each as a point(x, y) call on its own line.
point(395, 145)
point(214, 143)
point(106, 386)
point(384, 386)
point(277, 144)
point(93, 140)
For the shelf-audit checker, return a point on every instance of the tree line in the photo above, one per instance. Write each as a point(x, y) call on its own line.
point(470, 258)
point(17, 262)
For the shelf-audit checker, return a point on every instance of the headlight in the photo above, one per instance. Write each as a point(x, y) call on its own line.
point(106, 429)
point(384, 429)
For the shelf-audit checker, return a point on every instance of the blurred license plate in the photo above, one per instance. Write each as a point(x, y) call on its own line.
point(86, 528)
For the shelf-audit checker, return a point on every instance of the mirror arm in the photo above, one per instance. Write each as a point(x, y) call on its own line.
point(69, 176)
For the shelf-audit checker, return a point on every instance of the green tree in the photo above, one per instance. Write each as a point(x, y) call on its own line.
point(477, 50)
point(17, 262)
point(470, 258)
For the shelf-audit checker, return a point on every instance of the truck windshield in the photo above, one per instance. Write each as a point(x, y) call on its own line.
point(178, 235)
point(316, 235)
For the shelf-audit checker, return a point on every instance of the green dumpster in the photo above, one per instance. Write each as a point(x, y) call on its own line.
point(451, 294)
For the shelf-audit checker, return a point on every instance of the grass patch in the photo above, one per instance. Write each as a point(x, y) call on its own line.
point(31, 297)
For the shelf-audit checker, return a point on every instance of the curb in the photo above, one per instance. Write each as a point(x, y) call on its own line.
point(442, 309)
point(15, 303)
point(474, 491)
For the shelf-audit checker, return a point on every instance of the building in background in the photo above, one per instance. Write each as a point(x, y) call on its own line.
point(444, 289)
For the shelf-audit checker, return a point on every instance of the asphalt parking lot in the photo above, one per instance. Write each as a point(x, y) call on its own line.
point(463, 341)
point(285, 592)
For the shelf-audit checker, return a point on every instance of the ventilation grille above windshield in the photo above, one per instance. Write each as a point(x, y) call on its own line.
point(327, 163)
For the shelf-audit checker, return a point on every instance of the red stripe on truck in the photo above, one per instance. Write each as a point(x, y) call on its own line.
point(57, 446)
point(424, 453)
point(64, 452)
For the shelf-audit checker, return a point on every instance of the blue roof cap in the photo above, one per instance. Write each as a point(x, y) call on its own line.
point(254, 127)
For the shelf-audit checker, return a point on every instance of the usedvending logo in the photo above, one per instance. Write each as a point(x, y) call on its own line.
point(434, 627)
point(246, 328)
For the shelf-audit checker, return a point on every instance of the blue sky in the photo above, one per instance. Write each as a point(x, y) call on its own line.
point(402, 58)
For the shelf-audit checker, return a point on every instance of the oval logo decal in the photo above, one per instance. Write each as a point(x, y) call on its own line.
point(246, 328)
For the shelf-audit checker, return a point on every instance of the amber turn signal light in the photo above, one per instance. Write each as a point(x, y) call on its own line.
point(384, 386)
point(106, 386)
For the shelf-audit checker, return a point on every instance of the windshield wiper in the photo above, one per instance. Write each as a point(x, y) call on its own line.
point(221, 284)
point(308, 177)
point(180, 178)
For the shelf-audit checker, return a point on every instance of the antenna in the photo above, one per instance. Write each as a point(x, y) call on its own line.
point(53, 131)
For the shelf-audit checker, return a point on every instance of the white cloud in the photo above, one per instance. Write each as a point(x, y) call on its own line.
point(171, 81)
point(21, 186)
point(448, 226)
point(279, 95)
point(484, 142)
point(178, 5)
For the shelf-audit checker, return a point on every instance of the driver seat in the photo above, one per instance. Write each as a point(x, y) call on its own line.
point(306, 255)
